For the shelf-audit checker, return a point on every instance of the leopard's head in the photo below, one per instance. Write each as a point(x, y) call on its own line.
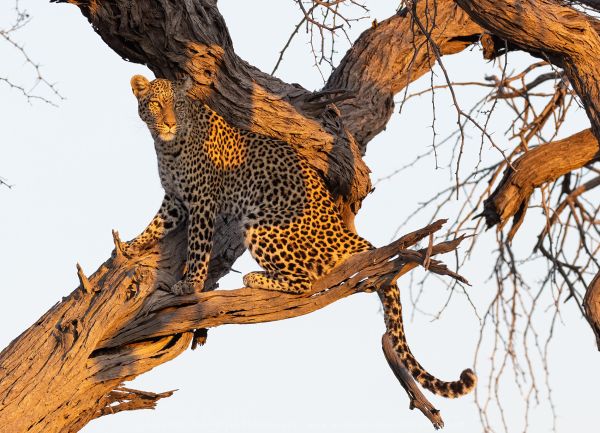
point(161, 104)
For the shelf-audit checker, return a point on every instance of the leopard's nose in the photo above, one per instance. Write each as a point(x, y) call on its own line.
point(170, 123)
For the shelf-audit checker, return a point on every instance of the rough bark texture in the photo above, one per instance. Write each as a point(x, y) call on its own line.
point(545, 163)
point(119, 323)
point(56, 356)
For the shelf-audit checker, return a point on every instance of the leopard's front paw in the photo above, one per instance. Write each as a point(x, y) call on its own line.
point(183, 287)
point(128, 249)
point(134, 246)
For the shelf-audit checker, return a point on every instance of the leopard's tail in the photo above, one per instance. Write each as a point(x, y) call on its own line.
point(392, 308)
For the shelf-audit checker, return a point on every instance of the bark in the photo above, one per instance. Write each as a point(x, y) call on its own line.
point(545, 163)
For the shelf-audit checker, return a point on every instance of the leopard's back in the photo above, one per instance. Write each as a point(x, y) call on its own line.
point(290, 221)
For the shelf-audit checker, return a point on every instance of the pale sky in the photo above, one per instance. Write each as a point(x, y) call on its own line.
point(88, 166)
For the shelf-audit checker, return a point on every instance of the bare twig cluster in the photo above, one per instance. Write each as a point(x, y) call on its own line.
point(3, 182)
point(48, 95)
point(323, 20)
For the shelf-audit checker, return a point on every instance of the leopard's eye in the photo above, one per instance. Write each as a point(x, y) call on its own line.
point(154, 105)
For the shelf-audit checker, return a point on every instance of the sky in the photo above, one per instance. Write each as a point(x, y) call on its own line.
point(87, 166)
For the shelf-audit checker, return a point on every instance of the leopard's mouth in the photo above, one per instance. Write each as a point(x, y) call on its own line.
point(166, 133)
point(166, 136)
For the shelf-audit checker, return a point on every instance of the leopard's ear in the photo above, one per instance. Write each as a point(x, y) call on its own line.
point(139, 85)
point(187, 83)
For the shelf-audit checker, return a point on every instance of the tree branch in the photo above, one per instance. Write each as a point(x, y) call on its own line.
point(122, 399)
point(119, 324)
point(545, 163)
point(383, 61)
point(166, 314)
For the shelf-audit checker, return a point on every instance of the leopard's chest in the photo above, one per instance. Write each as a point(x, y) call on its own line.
point(171, 175)
point(190, 171)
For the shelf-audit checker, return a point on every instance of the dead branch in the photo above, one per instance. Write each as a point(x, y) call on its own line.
point(398, 55)
point(122, 399)
point(417, 399)
point(323, 22)
point(570, 198)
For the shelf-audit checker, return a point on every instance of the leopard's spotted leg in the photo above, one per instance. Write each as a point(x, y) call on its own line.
point(278, 282)
point(169, 216)
point(201, 221)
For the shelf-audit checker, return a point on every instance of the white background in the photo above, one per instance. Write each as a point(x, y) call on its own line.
point(88, 166)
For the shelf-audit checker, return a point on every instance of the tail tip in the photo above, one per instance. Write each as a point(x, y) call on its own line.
point(469, 379)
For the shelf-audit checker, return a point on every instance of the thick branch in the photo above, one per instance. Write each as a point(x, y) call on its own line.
point(545, 163)
point(189, 38)
point(118, 324)
point(60, 371)
point(383, 61)
point(165, 314)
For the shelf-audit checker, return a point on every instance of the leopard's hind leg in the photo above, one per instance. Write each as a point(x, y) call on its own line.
point(277, 281)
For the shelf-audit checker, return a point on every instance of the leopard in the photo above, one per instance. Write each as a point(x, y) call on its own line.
point(290, 223)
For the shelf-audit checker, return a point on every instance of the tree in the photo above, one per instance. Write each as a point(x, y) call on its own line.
point(237, 90)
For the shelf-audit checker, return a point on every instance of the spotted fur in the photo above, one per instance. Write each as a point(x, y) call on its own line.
point(290, 223)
